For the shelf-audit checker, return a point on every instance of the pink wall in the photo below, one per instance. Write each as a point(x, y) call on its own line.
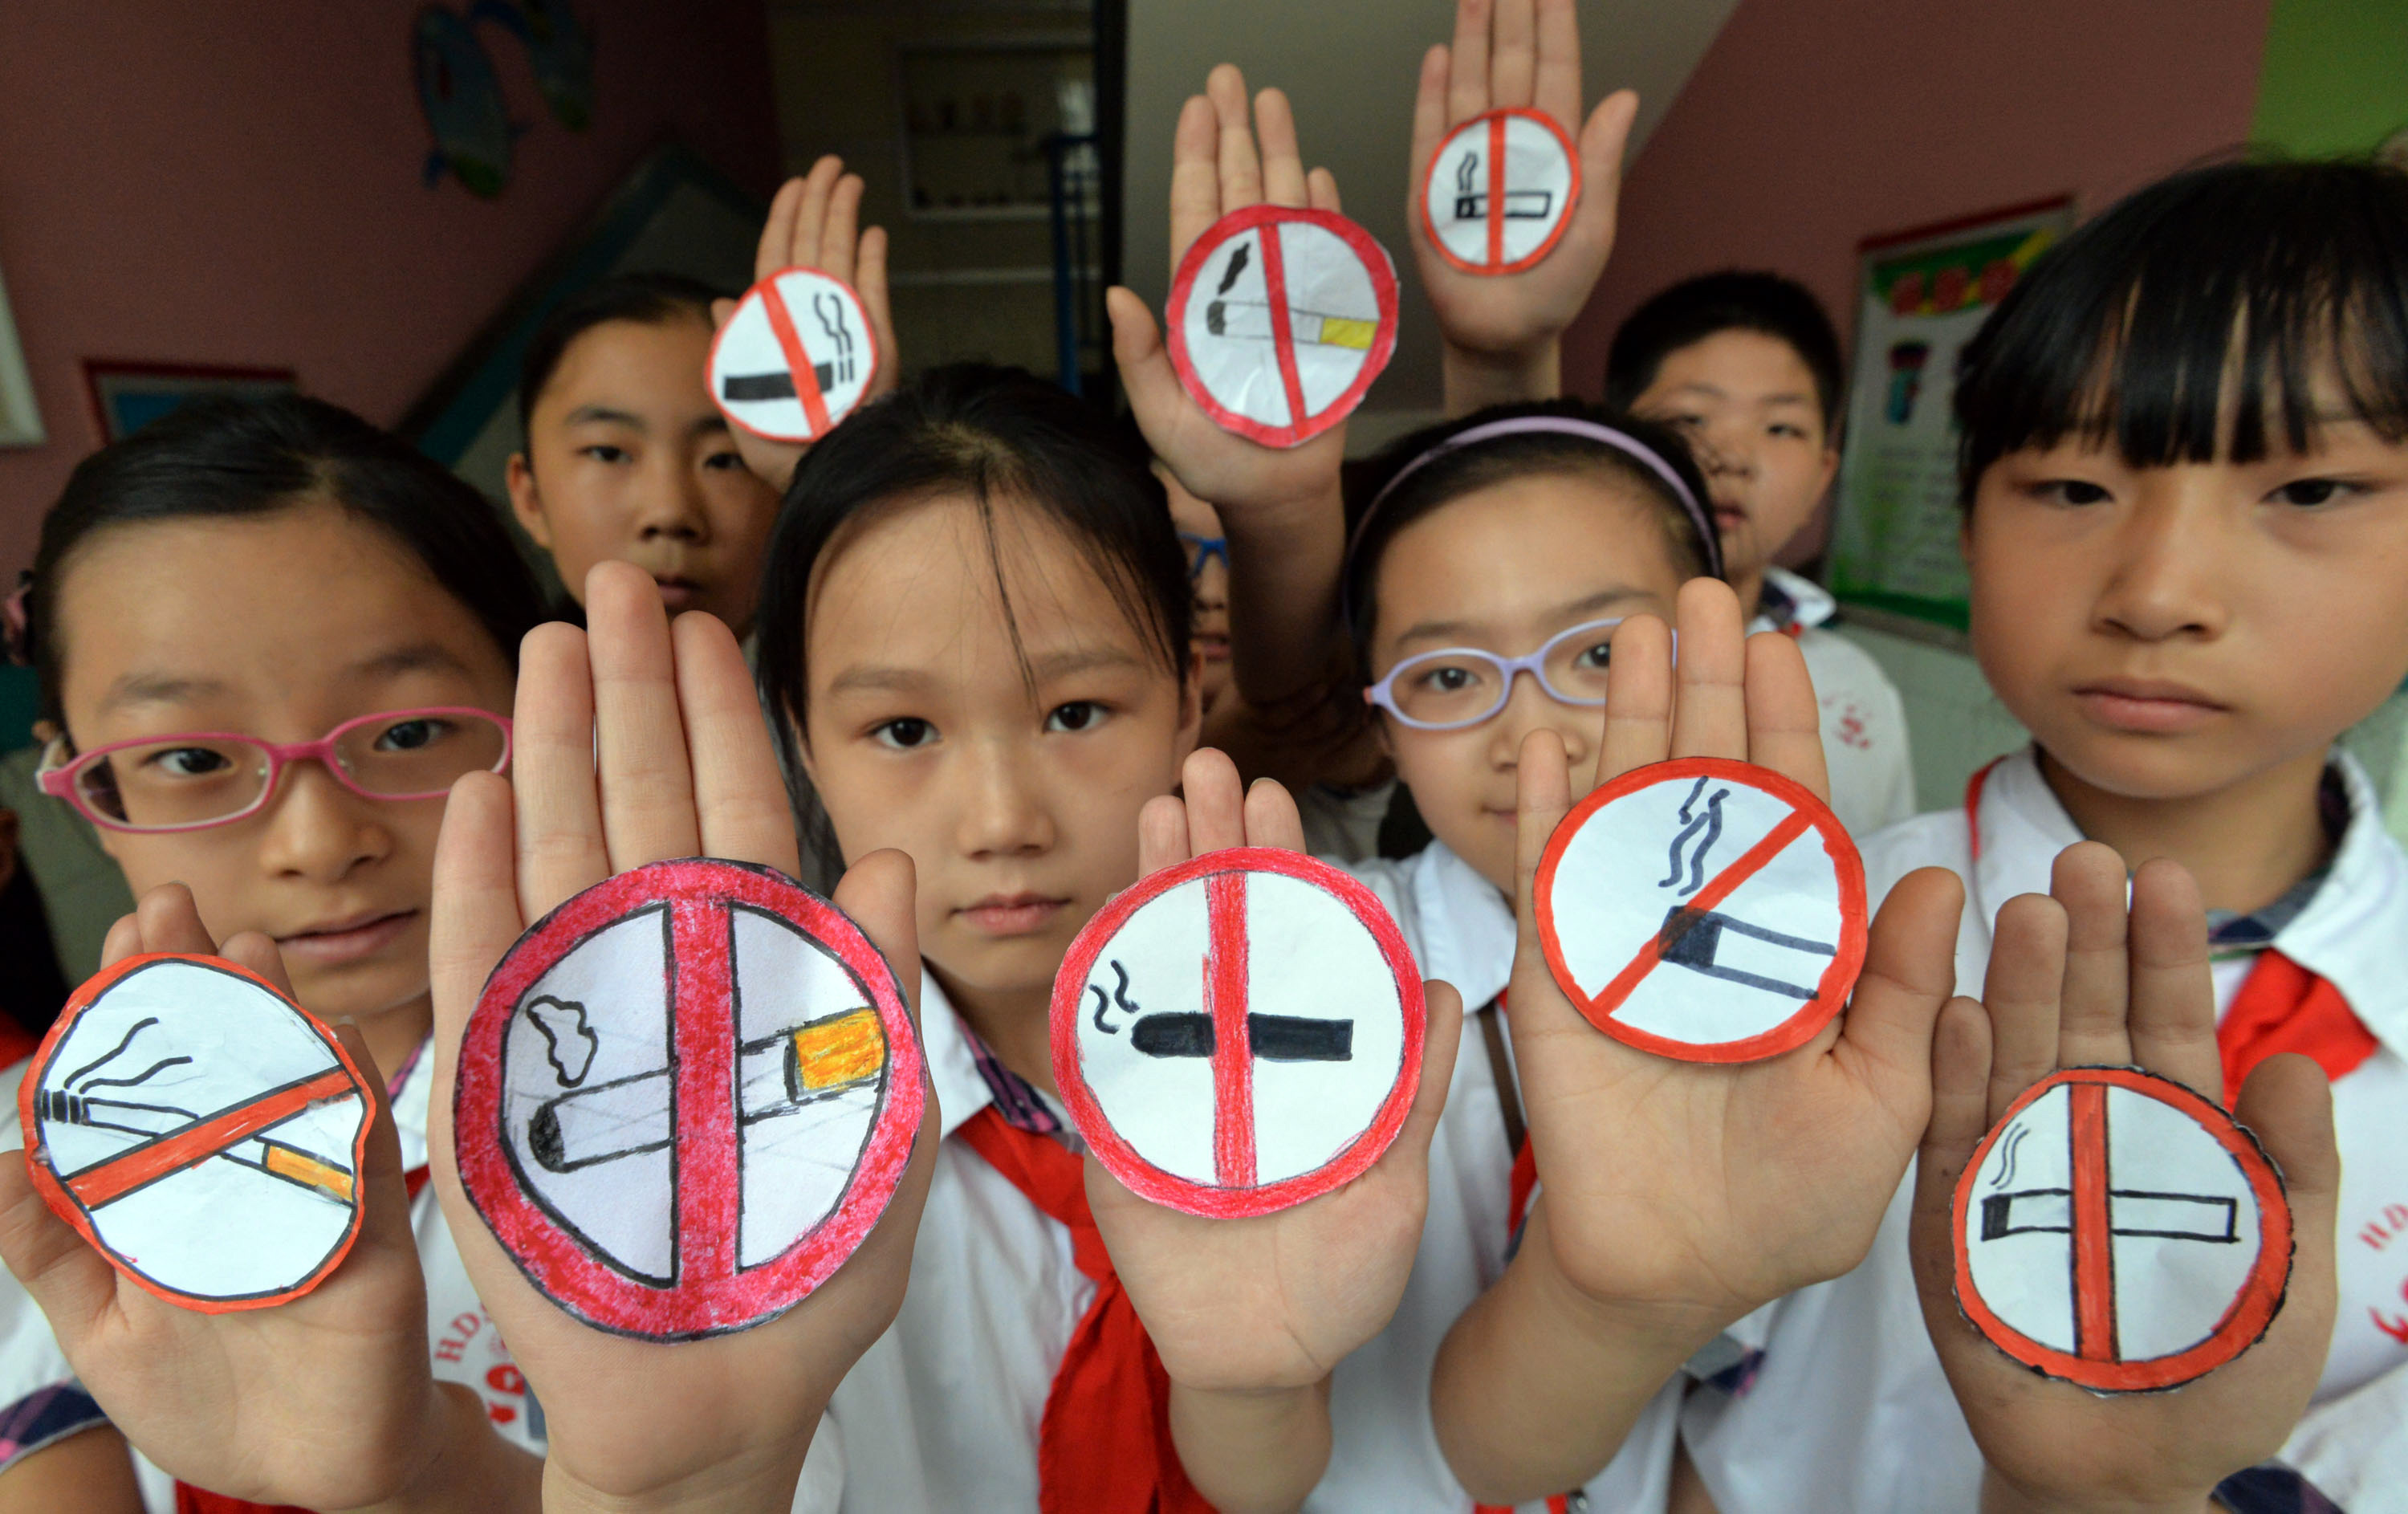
point(239, 183)
point(1813, 124)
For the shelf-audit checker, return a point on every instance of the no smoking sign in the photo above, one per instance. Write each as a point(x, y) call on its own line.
point(796, 356)
point(1500, 191)
point(686, 1097)
point(1239, 1033)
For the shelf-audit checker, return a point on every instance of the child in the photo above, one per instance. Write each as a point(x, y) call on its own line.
point(627, 458)
point(1746, 367)
point(2185, 477)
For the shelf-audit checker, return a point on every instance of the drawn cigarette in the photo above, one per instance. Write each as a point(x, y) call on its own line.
point(2174, 1216)
point(1720, 946)
point(1247, 319)
point(1273, 1038)
point(737, 388)
point(776, 1076)
point(278, 1159)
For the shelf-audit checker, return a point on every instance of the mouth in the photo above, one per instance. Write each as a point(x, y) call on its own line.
point(677, 592)
point(347, 940)
point(1729, 518)
point(1214, 647)
point(2146, 705)
point(1011, 915)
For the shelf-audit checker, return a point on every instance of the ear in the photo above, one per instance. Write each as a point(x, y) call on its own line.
point(1830, 470)
point(526, 502)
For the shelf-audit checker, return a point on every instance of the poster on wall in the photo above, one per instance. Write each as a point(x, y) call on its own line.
point(127, 397)
point(1921, 295)
point(20, 419)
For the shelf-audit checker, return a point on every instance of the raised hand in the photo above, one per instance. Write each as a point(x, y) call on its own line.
point(1252, 1315)
point(2077, 979)
point(1674, 1197)
point(327, 1401)
point(1502, 331)
point(815, 223)
point(639, 741)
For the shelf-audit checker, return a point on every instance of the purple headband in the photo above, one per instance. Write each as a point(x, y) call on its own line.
point(1565, 426)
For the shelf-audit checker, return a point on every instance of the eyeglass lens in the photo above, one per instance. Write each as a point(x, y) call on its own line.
point(187, 781)
point(1449, 688)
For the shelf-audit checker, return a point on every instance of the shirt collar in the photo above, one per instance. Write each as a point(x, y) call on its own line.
point(410, 1094)
point(953, 1066)
point(1466, 926)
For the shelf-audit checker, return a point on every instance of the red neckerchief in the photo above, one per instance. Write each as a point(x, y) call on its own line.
point(1104, 1446)
point(2281, 1005)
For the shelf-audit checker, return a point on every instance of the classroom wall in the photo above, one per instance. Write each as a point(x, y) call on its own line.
point(240, 183)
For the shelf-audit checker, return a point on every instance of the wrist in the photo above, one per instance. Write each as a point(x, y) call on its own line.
point(460, 1462)
point(1651, 1329)
point(752, 1484)
point(2001, 1495)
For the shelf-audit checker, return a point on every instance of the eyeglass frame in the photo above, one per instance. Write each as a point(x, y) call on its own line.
point(1383, 696)
point(1202, 549)
point(59, 781)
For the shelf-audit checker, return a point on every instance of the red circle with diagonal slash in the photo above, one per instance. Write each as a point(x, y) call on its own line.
point(1376, 266)
point(55, 1191)
point(1494, 125)
point(819, 417)
point(1807, 814)
point(2254, 1306)
point(712, 1295)
point(1122, 1160)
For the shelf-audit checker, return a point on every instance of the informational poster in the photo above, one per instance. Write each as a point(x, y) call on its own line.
point(1921, 296)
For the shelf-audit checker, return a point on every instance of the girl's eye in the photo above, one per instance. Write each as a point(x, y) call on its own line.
point(410, 735)
point(1795, 432)
point(1684, 423)
point(2311, 492)
point(190, 761)
point(1446, 679)
point(1078, 715)
point(2072, 492)
point(908, 734)
point(1595, 657)
point(602, 452)
point(724, 462)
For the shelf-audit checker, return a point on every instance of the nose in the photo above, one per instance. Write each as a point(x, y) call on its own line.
point(1530, 707)
point(2160, 584)
point(1213, 584)
point(1005, 813)
point(320, 832)
point(669, 501)
point(1724, 450)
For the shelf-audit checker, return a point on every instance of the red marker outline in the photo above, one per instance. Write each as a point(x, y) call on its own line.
point(1808, 812)
point(712, 1294)
point(72, 1198)
point(1375, 261)
point(1494, 123)
point(798, 358)
point(2094, 1363)
point(1235, 1194)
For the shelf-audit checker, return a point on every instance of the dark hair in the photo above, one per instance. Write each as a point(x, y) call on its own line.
point(648, 299)
point(2130, 329)
point(1695, 309)
point(985, 432)
point(234, 459)
point(1478, 465)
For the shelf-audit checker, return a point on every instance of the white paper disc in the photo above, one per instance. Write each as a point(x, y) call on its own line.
point(1239, 1033)
point(1704, 910)
point(201, 1130)
point(1280, 319)
point(2120, 1231)
point(796, 356)
point(1500, 191)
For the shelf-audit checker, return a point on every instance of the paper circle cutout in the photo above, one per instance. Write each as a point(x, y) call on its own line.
point(1501, 191)
point(1257, 946)
point(2119, 1232)
point(1703, 909)
point(686, 1097)
point(1279, 319)
point(796, 356)
point(200, 1130)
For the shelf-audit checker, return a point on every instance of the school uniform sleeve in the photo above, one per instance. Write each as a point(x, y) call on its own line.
point(1865, 741)
point(2354, 1448)
point(40, 1402)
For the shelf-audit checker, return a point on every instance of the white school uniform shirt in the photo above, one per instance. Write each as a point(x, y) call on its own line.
point(1849, 1409)
point(1864, 722)
point(1386, 1457)
point(465, 1346)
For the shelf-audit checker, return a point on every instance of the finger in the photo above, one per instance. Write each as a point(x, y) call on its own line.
point(2173, 1017)
point(1216, 804)
point(1555, 86)
point(1467, 83)
point(1909, 971)
point(776, 243)
point(1603, 141)
point(872, 285)
point(843, 229)
point(124, 940)
point(72, 1282)
point(1441, 1034)
point(811, 214)
point(1152, 387)
point(878, 893)
point(1161, 834)
point(256, 952)
point(1283, 159)
point(1320, 190)
point(385, 1196)
point(647, 786)
point(2287, 1105)
point(719, 310)
point(1961, 1088)
point(1194, 176)
point(2022, 990)
point(1429, 121)
point(1784, 723)
point(1242, 170)
point(477, 910)
point(561, 850)
point(1271, 817)
point(171, 922)
point(1637, 698)
point(1512, 55)
point(1710, 704)
point(739, 794)
point(1543, 796)
point(2092, 1029)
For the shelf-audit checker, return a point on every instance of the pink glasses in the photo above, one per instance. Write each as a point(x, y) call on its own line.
point(196, 780)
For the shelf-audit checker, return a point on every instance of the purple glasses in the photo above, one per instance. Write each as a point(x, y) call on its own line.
point(196, 780)
point(1464, 685)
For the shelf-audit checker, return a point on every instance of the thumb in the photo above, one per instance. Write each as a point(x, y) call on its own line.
point(72, 1282)
point(878, 893)
point(2287, 1105)
point(1441, 1033)
point(719, 310)
point(1154, 389)
point(385, 1197)
point(1604, 138)
point(1909, 971)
